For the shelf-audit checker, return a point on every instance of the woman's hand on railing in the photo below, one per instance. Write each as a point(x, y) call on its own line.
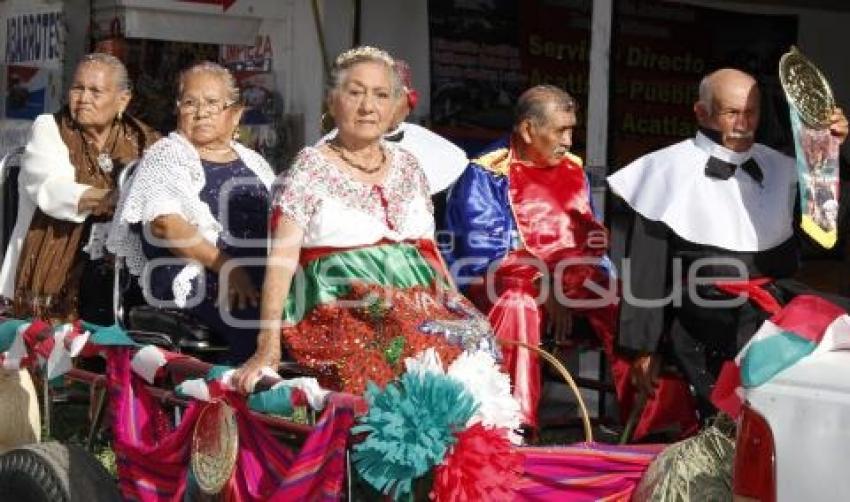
point(248, 374)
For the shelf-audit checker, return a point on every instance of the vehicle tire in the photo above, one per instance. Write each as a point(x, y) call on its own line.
point(54, 472)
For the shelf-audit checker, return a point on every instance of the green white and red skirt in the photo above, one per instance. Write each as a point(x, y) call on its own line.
point(354, 315)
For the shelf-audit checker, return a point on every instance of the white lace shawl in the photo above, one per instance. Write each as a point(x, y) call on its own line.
point(168, 180)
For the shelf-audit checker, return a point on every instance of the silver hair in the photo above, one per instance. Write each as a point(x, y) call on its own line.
point(122, 79)
point(364, 54)
point(217, 71)
point(706, 93)
point(534, 104)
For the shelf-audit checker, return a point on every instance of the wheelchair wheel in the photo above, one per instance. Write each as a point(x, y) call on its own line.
point(54, 472)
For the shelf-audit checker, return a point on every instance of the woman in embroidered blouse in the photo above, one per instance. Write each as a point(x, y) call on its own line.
point(355, 214)
point(66, 186)
point(193, 222)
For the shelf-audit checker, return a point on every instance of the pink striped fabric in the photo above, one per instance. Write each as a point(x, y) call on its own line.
point(153, 459)
point(585, 471)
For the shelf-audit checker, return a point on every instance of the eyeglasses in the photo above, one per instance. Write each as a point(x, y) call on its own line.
point(191, 106)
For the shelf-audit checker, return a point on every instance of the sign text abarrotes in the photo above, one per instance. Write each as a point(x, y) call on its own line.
point(35, 37)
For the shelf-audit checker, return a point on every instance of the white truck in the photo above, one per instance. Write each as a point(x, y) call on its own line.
point(793, 440)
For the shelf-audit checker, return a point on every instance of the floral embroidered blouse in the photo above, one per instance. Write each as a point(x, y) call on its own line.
point(335, 210)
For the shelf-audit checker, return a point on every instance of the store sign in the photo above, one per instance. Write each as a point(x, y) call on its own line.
point(660, 53)
point(263, 128)
point(35, 37)
point(256, 58)
point(484, 54)
point(31, 90)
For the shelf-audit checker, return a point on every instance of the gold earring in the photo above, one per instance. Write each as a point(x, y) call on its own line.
point(120, 114)
point(236, 134)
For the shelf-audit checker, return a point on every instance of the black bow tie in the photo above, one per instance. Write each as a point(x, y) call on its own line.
point(395, 138)
point(716, 168)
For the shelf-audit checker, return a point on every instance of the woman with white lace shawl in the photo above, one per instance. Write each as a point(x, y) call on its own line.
point(192, 223)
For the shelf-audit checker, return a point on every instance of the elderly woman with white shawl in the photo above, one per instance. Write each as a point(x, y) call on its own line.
point(192, 225)
point(54, 267)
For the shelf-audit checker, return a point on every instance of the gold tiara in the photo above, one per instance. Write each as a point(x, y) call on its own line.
point(806, 89)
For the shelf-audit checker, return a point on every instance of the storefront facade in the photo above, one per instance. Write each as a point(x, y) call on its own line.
point(633, 65)
point(156, 38)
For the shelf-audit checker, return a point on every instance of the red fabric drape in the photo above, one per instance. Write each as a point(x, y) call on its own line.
point(153, 459)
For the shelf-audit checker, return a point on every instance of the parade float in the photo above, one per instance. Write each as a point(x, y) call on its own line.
point(179, 430)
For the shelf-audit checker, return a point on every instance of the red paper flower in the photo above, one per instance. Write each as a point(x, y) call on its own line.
point(482, 465)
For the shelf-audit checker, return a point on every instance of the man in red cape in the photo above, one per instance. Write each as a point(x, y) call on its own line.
point(528, 250)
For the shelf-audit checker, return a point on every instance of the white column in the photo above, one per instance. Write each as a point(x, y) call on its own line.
point(306, 70)
point(597, 150)
point(597, 99)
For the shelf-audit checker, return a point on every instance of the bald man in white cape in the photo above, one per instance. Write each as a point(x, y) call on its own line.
point(713, 218)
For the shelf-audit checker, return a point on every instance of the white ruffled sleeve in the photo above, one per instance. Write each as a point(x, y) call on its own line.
point(160, 185)
point(47, 175)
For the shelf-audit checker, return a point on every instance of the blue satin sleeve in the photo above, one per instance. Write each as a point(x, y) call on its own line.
point(605, 264)
point(479, 224)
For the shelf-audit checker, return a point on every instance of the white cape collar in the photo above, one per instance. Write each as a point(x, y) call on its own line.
point(736, 214)
point(719, 151)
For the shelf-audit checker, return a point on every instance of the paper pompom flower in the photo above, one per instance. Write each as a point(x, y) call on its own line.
point(427, 361)
point(491, 390)
point(410, 426)
point(482, 465)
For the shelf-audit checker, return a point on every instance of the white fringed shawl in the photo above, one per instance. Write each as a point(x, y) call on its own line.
point(168, 180)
